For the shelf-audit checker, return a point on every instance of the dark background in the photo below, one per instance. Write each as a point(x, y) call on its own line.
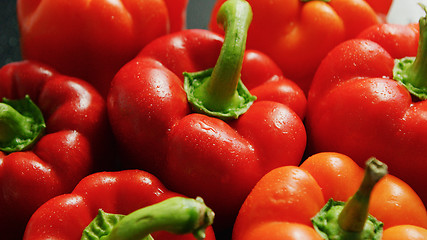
point(198, 14)
point(9, 35)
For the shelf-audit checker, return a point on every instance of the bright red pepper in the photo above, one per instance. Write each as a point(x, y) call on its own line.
point(92, 39)
point(297, 34)
point(177, 14)
point(284, 203)
point(381, 7)
point(357, 107)
point(53, 160)
point(196, 153)
point(122, 192)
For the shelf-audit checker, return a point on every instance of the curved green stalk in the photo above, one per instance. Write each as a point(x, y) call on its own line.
point(177, 215)
point(351, 220)
point(219, 92)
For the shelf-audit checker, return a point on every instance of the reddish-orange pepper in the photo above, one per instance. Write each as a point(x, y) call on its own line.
point(297, 34)
point(284, 201)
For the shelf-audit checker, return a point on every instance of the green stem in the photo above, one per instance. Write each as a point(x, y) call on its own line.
point(177, 215)
point(355, 212)
point(219, 92)
point(418, 70)
point(235, 16)
point(351, 220)
point(412, 71)
point(21, 124)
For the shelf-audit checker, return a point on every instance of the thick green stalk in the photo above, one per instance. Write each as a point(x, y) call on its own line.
point(223, 83)
point(219, 91)
point(355, 212)
point(351, 220)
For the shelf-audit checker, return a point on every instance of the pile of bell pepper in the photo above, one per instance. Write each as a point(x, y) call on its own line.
point(283, 119)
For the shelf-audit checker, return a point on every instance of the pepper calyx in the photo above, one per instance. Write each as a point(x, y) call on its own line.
point(101, 225)
point(244, 99)
point(411, 71)
point(21, 124)
point(326, 224)
point(401, 70)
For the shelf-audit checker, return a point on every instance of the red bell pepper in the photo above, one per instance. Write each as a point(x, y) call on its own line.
point(177, 14)
point(92, 39)
point(381, 7)
point(208, 151)
point(363, 104)
point(69, 216)
point(47, 145)
point(297, 34)
point(307, 202)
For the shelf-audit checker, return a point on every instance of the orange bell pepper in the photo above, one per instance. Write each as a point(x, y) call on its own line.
point(297, 34)
point(284, 203)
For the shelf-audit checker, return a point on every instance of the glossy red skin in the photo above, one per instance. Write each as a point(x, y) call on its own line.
point(92, 39)
point(398, 40)
point(122, 192)
point(177, 14)
point(381, 7)
point(283, 202)
point(73, 145)
point(297, 35)
point(356, 108)
point(193, 153)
